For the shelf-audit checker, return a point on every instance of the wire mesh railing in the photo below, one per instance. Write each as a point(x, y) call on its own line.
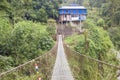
point(87, 68)
point(40, 67)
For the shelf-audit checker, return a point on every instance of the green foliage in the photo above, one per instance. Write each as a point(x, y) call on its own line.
point(25, 41)
point(86, 68)
point(80, 2)
point(94, 42)
point(5, 31)
point(89, 23)
point(28, 40)
point(110, 12)
point(5, 63)
point(117, 17)
point(115, 36)
point(101, 23)
point(4, 5)
point(74, 39)
point(109, 18)
point(45, 43)
point(21, 40)
point(107, 9)
point(91, 3)
point(102, 42)
point(51, 30)
point(60, 1)
point(98, 42)
point(35, 10)
point(42, 15)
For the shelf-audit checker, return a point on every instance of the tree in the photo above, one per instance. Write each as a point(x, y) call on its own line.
point(115, 36)
point(91, 3)
point(101, 22)
point(117, 17)
point(110, 12)
point(98, 40)
point(5, 30)
point(28, 40)
point(4, 5)
point(23, 42)
point(80, 2)
point(60, 1)
point(18, 10)
point(42, 15)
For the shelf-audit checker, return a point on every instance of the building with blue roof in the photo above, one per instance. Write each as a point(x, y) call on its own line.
point(72, 13)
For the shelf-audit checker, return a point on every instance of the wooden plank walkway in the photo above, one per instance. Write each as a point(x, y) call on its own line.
point(61, 69)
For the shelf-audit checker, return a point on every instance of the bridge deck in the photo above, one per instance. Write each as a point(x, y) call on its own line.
point(61, 69)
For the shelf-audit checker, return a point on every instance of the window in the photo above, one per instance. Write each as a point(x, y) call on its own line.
point(77, 12)
point(67, 11)
point(62, 11)
point(72, 15)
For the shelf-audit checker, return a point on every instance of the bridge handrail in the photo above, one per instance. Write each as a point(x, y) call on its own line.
point(22, 65)
point(96, 60)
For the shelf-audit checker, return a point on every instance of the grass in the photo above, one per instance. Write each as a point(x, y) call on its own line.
point(73, 40)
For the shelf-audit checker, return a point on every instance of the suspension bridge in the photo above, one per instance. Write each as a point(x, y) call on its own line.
point(61, 63)
point(61, 69)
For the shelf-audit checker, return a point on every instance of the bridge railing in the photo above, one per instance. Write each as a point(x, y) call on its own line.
point(28, 71)
point(87, 68)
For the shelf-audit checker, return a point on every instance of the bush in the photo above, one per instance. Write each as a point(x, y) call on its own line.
point(45, 43)
point(115, 36)
point(101, 23)
point(51, 30)
point(28, 40)
point(98, 42)
point(5, 31)
point(5, 63)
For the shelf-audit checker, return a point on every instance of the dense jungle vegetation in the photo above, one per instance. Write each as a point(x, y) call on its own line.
point(24, 32)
